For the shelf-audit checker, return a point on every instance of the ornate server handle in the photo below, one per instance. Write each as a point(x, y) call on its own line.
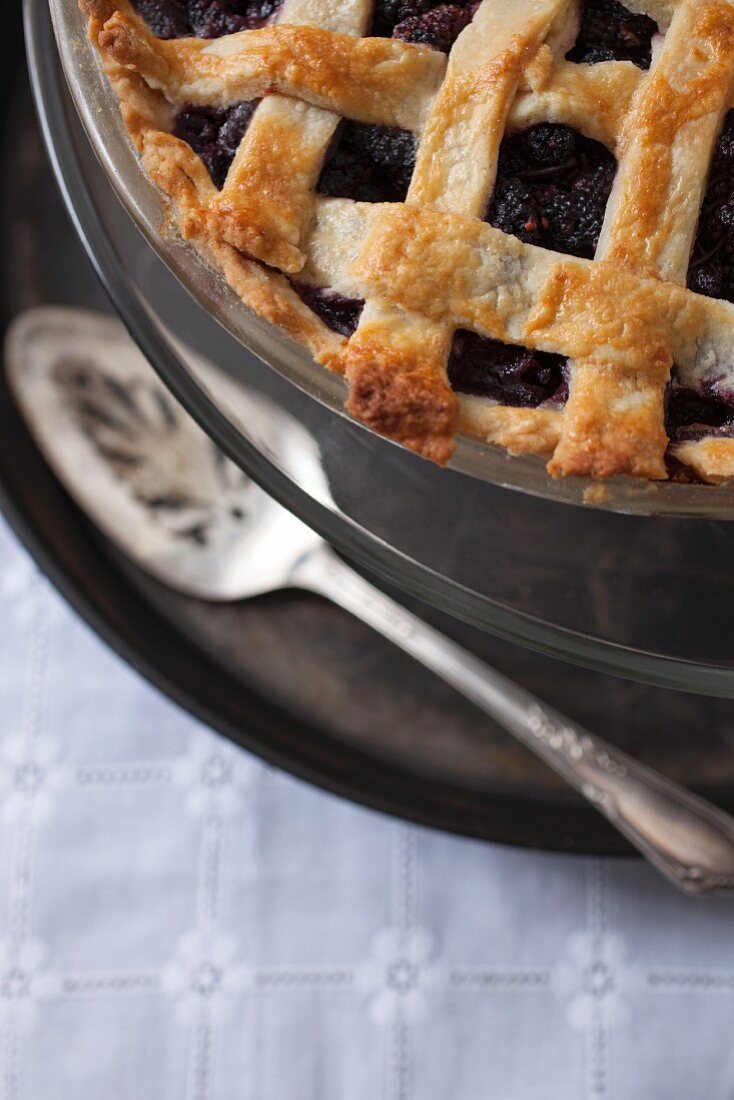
point(688, 839)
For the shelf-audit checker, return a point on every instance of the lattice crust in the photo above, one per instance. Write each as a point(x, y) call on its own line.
point(431, 265)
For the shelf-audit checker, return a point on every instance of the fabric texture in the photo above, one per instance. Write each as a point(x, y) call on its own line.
point(179, 921)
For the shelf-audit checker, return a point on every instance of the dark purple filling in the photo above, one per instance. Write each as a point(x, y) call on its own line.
point(552, 188)
point(507, 373)
point(438, 28)
point(609, 32)
point(486, 368)
point(339, 313)
point(215, 133)
point(690, 415)
point(711, 271)
point(369, 163)
point(204, 18)
point(423, 21)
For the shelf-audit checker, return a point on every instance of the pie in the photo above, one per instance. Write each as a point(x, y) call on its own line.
point(512, 219)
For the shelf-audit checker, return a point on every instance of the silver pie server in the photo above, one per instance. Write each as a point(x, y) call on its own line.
point(159, 488)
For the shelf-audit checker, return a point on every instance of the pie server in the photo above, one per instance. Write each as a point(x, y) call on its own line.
point(159, 488)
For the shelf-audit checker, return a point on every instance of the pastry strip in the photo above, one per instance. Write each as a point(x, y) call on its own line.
point(392, 361)
point(377, 80)
point(267, 199)
point(614, 419)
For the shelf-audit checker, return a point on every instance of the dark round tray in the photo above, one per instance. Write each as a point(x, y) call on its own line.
point(289, 676)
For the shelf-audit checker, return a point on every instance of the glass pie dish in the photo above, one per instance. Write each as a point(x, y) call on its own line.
point(634, 580)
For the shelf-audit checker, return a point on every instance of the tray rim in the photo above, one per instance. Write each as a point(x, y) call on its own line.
point(580, 831)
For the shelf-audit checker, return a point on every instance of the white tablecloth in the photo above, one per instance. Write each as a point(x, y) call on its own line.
point(180, 922)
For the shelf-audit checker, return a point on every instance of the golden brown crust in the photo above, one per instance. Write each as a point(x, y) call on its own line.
point(181, 175)
point(614, 429)
point(267, 200)
point(712, 460)
point(368, 79)
point(431, 265)
point(399, 397)
point(681, 103)
point(454, 171)
point(614, 419)
point(594, 99)
point(519, 431)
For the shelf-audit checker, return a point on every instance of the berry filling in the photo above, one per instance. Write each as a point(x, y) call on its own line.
point(423, 21)
point(438, 28)
point(337, 312)
point(690, 415)
point(215, 134)
point(552, 188)
point(711, 271)
point(204, 18)
point(369, 163)
point(609, 32)
point(507, 373)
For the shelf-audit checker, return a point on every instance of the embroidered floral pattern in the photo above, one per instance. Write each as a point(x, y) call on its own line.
point(204, 977)
point(407, 975)
point(30, 778)
point(400, 974)
point(592, 979)
point(214, 778)
point(24, 983)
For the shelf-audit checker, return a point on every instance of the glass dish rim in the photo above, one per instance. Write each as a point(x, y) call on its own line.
point(521, 473)
point(358, 543)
